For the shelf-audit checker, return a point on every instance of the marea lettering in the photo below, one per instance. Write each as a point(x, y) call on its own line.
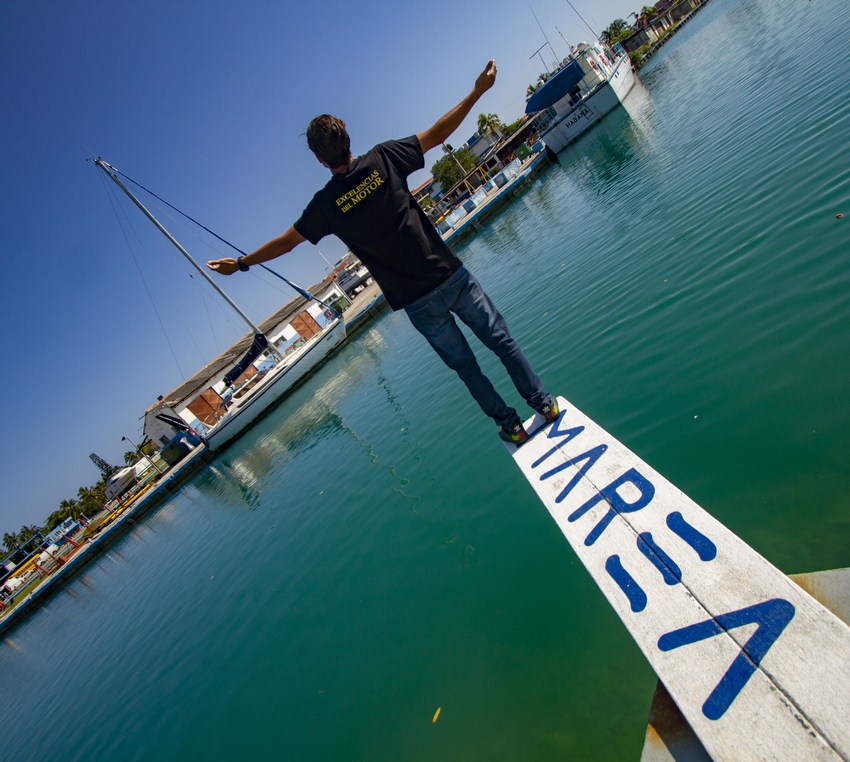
point(670, 572)
point(646, 491)
point(556, 432)
point(587, 458)
point(633, 591)
point(771, 616)
point(705, 548)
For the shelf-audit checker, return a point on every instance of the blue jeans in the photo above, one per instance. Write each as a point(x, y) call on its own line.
point(462, 294)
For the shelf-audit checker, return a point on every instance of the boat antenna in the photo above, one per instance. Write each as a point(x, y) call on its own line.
point(303, 292)
point(554, 57)
point(537, 53)
point(111, 173)
point(582, 18)
point(566, 41)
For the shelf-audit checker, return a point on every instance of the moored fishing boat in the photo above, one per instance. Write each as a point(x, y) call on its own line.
point(586, 88)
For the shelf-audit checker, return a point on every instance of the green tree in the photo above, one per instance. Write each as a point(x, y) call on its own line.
point(647, 12)
point(617, 30)
point(131, 457)
point(55, 519)
point(510, 129)
point(446, 170)
point(489, 123)
point(106, 470)
point(91, 499)
point(28, 532)
point(68, 509)
point(10, 541)
point(426, 202)
point(536, 86)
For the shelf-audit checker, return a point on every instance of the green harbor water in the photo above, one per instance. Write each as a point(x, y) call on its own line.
point(369, 552)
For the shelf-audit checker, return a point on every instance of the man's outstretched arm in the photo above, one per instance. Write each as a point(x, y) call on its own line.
point(276, 248)
point(450, 121)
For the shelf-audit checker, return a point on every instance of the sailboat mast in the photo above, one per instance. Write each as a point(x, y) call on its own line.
point(107, 168)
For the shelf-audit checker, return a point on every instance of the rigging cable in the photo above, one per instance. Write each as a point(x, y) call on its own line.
point(141, 274)
point(163, 288)
point(306, 294)
point(190, 231)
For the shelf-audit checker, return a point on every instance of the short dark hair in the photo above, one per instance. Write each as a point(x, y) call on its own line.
point(328, 139)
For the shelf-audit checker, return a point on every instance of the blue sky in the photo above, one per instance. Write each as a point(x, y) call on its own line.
point(204, 103)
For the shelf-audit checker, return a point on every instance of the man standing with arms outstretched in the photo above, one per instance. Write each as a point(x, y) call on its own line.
point(367, 205)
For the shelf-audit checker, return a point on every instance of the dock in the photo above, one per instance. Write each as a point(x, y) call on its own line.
point(364, 308)
point(758, 668)
point(95, 546)
point(494, 200)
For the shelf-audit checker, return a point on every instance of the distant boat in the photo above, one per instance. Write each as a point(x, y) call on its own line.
point(250, 401)
point(120, 482)
point(577, 96)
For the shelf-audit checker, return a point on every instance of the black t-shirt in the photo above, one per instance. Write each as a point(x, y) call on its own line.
point(370, 209)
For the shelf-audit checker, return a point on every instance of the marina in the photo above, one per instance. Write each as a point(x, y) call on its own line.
point(366, 574)
point(677, 578)
point(124, 514)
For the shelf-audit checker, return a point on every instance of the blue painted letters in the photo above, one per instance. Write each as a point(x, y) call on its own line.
point(615, 500)
point(590, 457)
point(556, 432)
point(705, 548)
point(634, 592)
point(772, 617)
point(666, 565)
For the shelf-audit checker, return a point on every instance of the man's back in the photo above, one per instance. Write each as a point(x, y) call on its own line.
point(368, 207)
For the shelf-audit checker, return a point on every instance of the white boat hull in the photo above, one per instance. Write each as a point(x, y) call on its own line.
point(275, 385)
point(604, 98)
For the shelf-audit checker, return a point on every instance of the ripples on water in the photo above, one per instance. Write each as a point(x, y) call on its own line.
point(368, 553)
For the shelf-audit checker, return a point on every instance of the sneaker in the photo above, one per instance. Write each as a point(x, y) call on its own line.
point(514, 433)
point(549, 410)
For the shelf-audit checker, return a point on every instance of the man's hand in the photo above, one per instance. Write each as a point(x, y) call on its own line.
point(486, 79)
point(226, 266)
point(274, 248)
point(450, 121)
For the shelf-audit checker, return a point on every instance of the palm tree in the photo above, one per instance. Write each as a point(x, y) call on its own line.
point(489, 123)
point(91, 499)
point(617, 30)
point(647, 12)
point(28, 532)
point(71, 508)
point(10, 541)
point(543, 78)
point(131, 457)
point(55, 519)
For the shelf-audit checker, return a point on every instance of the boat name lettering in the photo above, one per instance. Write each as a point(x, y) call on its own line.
point(583, 113)
point(363, 189)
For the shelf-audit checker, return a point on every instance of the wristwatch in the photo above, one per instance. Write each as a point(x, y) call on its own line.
point(241, 265)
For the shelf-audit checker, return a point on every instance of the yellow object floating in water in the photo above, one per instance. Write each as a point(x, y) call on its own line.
point(436, 714)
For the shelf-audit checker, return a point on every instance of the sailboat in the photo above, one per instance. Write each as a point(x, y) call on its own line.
point(256, 396)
